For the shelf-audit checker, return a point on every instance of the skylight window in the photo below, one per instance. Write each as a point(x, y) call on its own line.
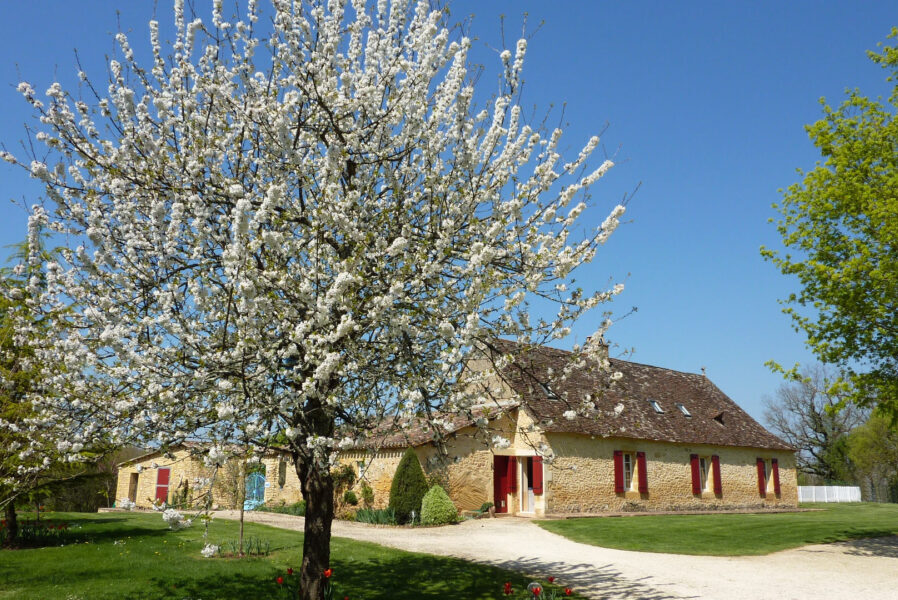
point(548, 392)
point(684, 410)
point(656, 406)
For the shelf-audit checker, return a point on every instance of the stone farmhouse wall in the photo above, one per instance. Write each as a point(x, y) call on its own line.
point(187, 469)
point(581, 478)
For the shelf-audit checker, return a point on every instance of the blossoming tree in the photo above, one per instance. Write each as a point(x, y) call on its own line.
point(305, 229)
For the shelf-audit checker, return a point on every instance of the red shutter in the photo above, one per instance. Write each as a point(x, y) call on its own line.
point(762, 479)
point(643, 474)
point(696, 475)
point(162, 476)
point(715, 468)
point(776, 476)
point(512, 474)
point(162, 479)
point(537, 475)
point(618, 472)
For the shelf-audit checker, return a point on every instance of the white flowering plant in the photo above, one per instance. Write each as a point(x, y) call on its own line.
point(301, 231)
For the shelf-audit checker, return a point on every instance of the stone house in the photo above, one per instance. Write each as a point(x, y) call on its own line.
point(660, 440)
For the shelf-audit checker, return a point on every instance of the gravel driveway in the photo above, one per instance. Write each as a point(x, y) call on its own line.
point(865, 569)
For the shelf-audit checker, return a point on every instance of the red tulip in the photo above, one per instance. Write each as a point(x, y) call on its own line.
point(328, 573)
point(507, 588)
point(289, 571)
point(568, 591)
point(280, 580)
point(551, 579)
point(537, 591)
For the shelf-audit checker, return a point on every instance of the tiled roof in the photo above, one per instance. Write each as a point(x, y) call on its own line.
point(715, 419)
point(417, 431)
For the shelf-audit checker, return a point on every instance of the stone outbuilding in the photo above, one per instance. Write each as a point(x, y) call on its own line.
point(181, 476)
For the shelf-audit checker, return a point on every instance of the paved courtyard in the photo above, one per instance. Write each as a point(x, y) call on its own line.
point(862, 569)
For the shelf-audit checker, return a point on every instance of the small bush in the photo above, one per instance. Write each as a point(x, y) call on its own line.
point(350, 498)
point(409, 487)
point(367, 494)
point(437, 508)
point(382, 516)
point(486, 506)
point(297, 508)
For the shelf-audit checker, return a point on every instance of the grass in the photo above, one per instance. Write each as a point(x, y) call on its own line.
point(732, 534)
point(151, 562)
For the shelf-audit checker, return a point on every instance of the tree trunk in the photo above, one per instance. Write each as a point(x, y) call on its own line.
point(318, 492)
point(12, 524)
point(242, 500)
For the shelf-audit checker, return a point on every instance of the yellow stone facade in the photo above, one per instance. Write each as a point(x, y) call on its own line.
point(139, 484)
point(580, 478)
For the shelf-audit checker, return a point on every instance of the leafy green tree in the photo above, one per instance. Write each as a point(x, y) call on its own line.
point(408, 488)
point(873, 448)
point(840, 229)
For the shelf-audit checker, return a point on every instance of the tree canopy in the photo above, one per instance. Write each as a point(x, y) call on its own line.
point(840, 229)
point(304, 224)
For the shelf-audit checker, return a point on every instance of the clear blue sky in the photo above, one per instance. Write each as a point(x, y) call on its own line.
point(705, 104)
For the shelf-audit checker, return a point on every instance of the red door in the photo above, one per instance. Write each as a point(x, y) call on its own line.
point(162, 475)
point(501, 482)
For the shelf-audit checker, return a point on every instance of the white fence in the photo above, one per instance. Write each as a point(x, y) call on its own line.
point(828, 493)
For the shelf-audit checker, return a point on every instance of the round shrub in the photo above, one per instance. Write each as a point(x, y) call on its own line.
point(437, 508)
point(350, 498)
point(409, 487)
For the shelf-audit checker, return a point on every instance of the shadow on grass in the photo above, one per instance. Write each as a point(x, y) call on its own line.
point(411, 578)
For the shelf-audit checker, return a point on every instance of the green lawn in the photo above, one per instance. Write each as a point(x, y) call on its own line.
point(150, 562)
point(732, 534)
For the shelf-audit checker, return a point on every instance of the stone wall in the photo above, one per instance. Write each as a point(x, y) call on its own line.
point(186, 469)
point(581, 478)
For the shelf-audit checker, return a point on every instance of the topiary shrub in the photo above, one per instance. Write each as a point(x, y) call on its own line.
point(409, 487)
point(350, 498)
point(437, 508)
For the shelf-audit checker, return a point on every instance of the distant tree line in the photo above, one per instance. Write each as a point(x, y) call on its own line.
point(837, 442)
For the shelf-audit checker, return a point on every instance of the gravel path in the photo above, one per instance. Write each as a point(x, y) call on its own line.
point(865, 569)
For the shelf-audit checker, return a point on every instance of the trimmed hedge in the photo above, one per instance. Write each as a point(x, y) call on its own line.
point(437, 508)
point(408, 488)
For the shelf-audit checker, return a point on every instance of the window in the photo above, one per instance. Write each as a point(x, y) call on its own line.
point(282, 473)
point(360, 465)
point(703, 472)
point(656, 406)
point(630, 468)
point(548, 391)
point(628, 471)
point(684, 410)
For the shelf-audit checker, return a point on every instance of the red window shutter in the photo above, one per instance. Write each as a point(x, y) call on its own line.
point(512, 474)
point(776, 476)
point(618, 472)
point(696, 475)
point(537, 475)
point(643, 474)
point(715, 468)
point(162, 476)
point(762, 478)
